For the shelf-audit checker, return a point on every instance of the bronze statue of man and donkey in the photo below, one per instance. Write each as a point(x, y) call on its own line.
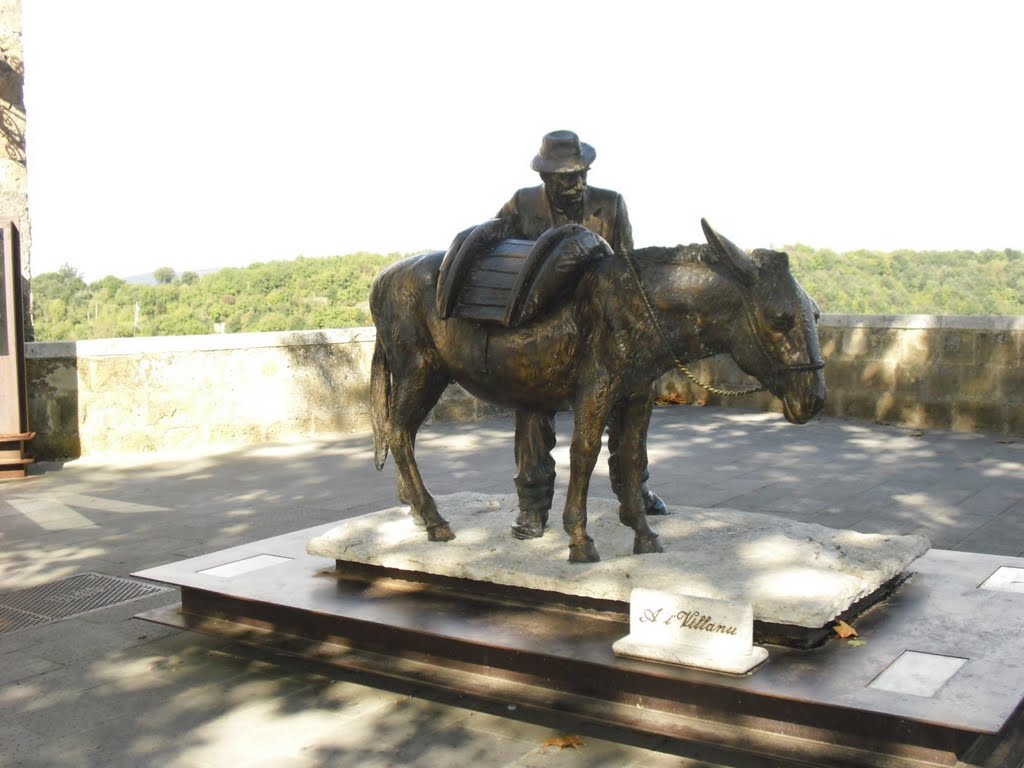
point(538, 312)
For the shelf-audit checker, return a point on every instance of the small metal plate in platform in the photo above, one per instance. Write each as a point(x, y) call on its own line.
point(1005, 579)
point(827, 693)
point(241, 567)
point(918, 674)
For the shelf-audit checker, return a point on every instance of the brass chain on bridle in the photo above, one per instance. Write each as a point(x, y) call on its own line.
point(664, 337)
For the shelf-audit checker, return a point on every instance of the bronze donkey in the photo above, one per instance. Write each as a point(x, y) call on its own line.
point(629, 320)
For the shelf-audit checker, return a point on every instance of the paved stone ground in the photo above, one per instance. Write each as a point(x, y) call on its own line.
point(105, 689)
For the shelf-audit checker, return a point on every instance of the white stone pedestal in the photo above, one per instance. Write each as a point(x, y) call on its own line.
point(792, 573)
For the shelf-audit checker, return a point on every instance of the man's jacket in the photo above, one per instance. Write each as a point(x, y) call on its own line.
point(604, 212)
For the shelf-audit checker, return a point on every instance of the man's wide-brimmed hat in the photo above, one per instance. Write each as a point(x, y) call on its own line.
point(563, 152)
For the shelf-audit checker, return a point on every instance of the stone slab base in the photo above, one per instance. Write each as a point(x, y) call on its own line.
point(935, 678)
point(792, 573)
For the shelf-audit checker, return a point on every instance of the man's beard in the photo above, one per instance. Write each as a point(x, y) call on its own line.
point(570, 206)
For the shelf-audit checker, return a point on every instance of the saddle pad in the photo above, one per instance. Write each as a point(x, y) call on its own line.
point(489, 283)
point(488, 277)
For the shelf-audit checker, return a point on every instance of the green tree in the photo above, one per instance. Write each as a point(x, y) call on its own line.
point(163, 275)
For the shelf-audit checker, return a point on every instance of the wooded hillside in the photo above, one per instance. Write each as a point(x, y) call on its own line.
point(912, 282)
point(310, 293)
point(275, 296)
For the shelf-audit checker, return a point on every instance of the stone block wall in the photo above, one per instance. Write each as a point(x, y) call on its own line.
point(13, 167)
point(197, 392)
point(922, 371)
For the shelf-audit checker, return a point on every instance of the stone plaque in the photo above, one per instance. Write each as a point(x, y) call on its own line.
point(691, 631)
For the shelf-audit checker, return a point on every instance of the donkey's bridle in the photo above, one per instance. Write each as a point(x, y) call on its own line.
point(774, 367)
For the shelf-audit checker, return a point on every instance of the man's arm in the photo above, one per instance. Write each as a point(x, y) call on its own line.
point(510, 209)
point(623, 229)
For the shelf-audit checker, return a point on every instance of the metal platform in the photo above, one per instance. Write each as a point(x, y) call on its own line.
point(936, 677)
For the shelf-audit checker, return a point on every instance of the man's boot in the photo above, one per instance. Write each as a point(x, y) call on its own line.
point(653, 504)
point(530, 524)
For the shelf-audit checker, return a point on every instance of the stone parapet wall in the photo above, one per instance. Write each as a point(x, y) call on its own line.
point(196, 392)
point(922, 371)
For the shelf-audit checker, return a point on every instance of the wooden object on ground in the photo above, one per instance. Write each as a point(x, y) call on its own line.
point(14, 432)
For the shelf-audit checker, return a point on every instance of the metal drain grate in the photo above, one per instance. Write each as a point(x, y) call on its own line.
point(12, 620)
point(68, 597)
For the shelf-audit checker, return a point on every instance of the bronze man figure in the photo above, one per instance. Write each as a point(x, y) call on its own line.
point(563, 198)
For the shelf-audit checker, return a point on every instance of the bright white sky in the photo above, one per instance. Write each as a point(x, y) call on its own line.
point(201, 133)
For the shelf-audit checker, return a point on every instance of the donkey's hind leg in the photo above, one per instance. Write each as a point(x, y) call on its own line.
point(415, 391)
point(630, 422)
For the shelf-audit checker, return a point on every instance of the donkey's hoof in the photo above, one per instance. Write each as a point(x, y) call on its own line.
point(440, 532)
point(583, 553)
point(646, 545)
point(655, 506)
point(529, 524)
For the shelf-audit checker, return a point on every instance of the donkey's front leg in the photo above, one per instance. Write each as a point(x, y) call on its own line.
point(632, 419)
point(590, 414)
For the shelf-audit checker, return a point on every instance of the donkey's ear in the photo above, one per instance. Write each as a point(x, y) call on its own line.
point(765, 257)
point(733, 257)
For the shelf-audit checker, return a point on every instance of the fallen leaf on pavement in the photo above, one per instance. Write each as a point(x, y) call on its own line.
point(843, 629)
point(671, 398)
point(562, 741)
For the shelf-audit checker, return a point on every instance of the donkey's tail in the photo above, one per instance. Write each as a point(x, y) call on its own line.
point(380, 402)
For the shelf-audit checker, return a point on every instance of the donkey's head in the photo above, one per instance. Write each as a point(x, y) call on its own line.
point(775, 337)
